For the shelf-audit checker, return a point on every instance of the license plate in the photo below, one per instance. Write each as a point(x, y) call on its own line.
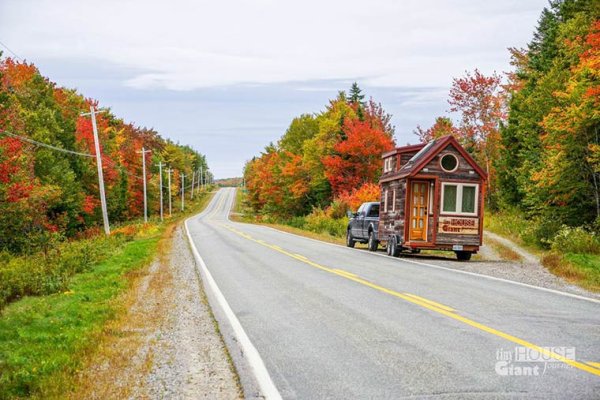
point(457, 247)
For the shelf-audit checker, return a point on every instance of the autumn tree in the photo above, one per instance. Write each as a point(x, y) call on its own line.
point(358, 158)
point(546, 166)
point(442, 126)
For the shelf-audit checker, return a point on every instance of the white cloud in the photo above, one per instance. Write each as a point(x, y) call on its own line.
point(186, 44)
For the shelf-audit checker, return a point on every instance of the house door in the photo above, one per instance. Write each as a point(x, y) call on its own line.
point(418, 210)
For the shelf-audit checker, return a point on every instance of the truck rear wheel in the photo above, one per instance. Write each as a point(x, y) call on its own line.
point(463, 255)
point(349, 239)
point(372, 243)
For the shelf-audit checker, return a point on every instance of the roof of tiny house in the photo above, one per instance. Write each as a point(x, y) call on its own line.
point(403, 149)
point(430, 150)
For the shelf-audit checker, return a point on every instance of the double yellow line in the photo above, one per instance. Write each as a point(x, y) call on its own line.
point(591, 367)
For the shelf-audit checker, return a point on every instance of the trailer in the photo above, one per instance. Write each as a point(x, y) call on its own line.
point(432, 197)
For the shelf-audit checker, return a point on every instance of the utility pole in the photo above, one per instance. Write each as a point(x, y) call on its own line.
point(193, 178)
point(161, 188)
point(199, 180)
point(169, 171)
point(201, 177)
point(92, 113)
point(143, 152)
point(182, 192)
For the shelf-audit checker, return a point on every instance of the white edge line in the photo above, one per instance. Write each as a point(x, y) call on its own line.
point(267, 387)
point(494, 278)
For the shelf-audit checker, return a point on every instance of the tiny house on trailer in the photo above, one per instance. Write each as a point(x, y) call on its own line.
point(431, 198)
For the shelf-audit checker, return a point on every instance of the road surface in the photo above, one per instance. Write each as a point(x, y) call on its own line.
point(339, 323)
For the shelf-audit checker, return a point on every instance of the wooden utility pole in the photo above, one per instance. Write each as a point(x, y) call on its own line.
point(193, 178)
point(170, 171)
point(182, 192)
point(160, 188)
point(92, 113)
point(143, 152)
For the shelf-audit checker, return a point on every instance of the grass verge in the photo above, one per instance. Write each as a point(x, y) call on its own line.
point(46, 341)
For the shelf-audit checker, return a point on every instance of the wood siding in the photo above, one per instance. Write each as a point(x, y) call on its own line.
point(393, 222)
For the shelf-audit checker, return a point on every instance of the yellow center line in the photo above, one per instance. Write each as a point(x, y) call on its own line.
point(433, 303)
point(433, 306)
point(346, 273)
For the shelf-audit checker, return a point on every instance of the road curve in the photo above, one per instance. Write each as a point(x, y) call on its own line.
point(337, 323)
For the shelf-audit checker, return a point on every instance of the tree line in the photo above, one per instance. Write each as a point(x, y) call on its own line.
point(535, 130)
point(46, 193)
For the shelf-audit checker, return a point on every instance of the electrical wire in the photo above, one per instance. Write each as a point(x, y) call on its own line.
point(36, 143)
point(10, 51)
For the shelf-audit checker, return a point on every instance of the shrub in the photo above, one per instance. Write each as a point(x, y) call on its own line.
point(337, 209)
point(576, 240)
point(50, 272)
point(319, 222)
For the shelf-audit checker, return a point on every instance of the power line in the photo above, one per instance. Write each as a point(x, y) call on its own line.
point(10, 51)
point(36, 143)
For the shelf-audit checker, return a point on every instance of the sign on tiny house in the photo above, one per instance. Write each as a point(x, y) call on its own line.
point(432, 198)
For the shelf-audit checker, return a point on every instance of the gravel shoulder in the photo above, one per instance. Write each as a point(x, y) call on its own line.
point(167, 345)
point(192, 361)
point(528, 270)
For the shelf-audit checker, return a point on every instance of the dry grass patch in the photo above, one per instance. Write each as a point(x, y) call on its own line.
point(506, 253)
point(113, 370)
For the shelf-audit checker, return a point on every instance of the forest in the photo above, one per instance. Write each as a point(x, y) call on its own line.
point(535, 130)
point(48, 174)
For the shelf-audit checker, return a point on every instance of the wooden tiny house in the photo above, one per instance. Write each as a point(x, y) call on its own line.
point(432, 198)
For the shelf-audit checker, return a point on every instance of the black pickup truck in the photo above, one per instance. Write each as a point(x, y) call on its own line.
point(363, 226)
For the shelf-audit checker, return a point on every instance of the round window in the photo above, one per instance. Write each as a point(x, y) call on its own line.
point(449, 162)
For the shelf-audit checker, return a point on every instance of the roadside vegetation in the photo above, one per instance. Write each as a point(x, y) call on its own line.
point(61, 278)
point(56, 306)
point(535, 130)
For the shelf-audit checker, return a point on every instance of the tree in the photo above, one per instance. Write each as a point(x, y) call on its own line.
point(356, 96)
point(358, 158)
point(301, 129)
point(443, 126)
point(546, 162)
point(481, 102)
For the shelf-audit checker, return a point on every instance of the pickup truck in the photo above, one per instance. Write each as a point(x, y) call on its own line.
point(363, 226)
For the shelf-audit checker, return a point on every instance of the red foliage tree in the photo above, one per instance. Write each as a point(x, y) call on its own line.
point(358, 157)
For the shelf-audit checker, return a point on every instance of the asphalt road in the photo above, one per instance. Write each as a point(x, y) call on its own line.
point(338, 323)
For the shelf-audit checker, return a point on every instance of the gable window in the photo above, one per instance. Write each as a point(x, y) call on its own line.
point(388, 164)
point(449, 162)
point(459, 198)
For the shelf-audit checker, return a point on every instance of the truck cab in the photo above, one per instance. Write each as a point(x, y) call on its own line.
point(363, 226)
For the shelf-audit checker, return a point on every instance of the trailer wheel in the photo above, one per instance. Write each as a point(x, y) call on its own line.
point(372, 243)
point(394, 249)
point(349, 239)
point(388, 248)
point(463, 255)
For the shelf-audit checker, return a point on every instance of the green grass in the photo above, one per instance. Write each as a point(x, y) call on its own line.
point(39, 336)
point(589, 266)
point(46, 340)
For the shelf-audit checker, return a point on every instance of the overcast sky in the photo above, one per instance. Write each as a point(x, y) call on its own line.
point(227, 76)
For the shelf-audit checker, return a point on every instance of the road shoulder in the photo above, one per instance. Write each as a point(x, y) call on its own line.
point(167, 345)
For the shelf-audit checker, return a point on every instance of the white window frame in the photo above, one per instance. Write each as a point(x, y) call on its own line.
point(455, 157)
point(385, 200)
point(387, 165)
point(459, 194)
point(393, 200)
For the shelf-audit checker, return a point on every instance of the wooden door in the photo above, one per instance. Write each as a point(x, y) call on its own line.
point(418, 210)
